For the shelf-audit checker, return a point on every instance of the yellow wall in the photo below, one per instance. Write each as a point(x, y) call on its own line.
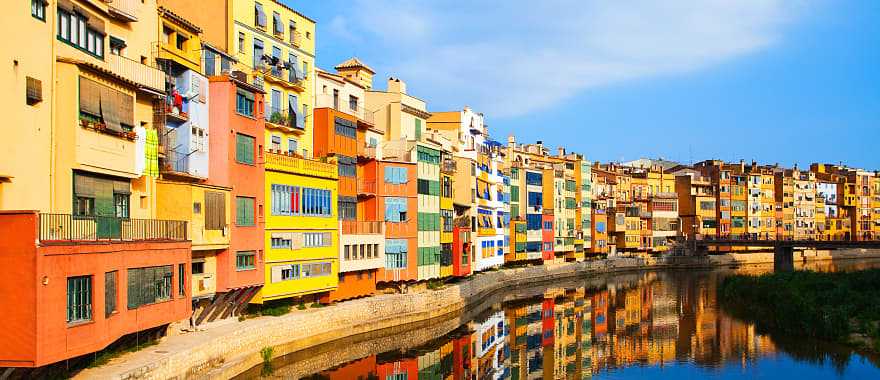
point(191, 54)
point(242, 21)
point(276, 224)
point(177, 200)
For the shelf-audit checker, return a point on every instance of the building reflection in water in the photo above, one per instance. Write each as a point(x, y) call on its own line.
point(648, 319)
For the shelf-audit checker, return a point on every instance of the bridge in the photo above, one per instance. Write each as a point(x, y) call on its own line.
point(783, 249)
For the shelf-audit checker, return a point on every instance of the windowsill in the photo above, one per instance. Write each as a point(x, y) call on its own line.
point(245, 269)
point(80, 323)
point(254, 118)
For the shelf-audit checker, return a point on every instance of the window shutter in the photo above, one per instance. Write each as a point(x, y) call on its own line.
point(34, 91)
point(89, 96)
point(134, 294)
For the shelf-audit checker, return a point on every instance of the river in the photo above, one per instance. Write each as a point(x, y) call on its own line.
point(637, 325)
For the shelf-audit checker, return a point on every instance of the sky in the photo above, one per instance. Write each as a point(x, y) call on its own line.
point(777, 81)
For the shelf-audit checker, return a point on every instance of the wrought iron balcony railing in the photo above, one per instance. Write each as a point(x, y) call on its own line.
point(74, 228)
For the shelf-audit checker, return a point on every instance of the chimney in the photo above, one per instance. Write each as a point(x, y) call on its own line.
point(742, 166)
point(396, 85)
point(560, 151)
point(511, 141)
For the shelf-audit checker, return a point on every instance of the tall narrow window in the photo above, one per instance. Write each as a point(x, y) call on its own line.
point(244, 149)
point(110, 293)
point(38, 9)
point(79, 299)
point(181, 280)
point(244, 211)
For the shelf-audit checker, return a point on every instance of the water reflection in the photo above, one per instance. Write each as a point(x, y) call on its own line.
point(651, 322)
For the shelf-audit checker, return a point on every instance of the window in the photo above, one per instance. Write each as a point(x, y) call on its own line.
point(244, 103)
point(101, 105)
point(276, 143)
point(215, 210)
point(109, 293)
point(347, 209)
point(394, 175)
point(258, 52)
point(446, 190)
point(276, 24)
point(396, 251)
point(395, 209)
point(345, 128)
point(292, 29)
point(198, 267)
point(418, 129)
point(245, 260)
point(79, 299)
point(309, 35)
point(38, 9)
point(285, 200)
point(347, 166)
point(84, 206)
point(316, 269)
point(244, 211)
point(281, 243)
point(534, 179)
point(181, 280)
point(259, 16)
point(317, 239)
point(316, 202)
point(33, 91)
point(352, 102)
point(75, 30)
point(535, 199)
point(149, 285)
point(244, 149)
point(291, 146)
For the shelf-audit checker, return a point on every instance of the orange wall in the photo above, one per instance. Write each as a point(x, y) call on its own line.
point(47, 270)
point(350, 286)
point(245, 180)
point(18, 288)
point(407, 230)
point(359, 369)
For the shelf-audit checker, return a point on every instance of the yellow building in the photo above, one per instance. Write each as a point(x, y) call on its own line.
point(302, 228)
point(83, 100)
point(206, 208)
point(447, 215)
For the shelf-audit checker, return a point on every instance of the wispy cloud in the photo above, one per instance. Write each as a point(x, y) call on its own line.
point(517, 57)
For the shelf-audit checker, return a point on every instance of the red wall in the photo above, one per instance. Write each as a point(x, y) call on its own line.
point(459, 269)
point(245, 180)
point(547, 237)
point(34, 298)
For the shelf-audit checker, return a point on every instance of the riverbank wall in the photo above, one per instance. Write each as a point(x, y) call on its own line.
point(227, 349)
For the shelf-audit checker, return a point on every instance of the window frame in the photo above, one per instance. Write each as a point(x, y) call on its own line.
point(249, 260)
point(82, 299)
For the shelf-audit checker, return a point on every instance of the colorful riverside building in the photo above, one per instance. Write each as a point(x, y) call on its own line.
point(858, 199)
point(402, 118)
point(480, 168)
point(696, 200)
point(345, 130)
point(531, 189)
point(82, 161)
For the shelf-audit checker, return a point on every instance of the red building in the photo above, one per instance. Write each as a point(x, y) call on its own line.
point(547, 238)
point(406, 368)
point(237, 279)
point(72, 293)
point(461, 249)
point(548, 322)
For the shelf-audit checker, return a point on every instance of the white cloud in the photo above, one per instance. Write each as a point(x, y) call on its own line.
point(517, 57)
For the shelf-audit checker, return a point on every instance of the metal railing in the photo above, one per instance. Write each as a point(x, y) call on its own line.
point(286, 118)
point(299, 165)
point(73, 228)
point(366, 187)
point(357, 227)
point(366, 151)
point(344, 105)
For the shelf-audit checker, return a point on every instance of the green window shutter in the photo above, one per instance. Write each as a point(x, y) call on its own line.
point(418, 129)
point(514, 192)
point(134, 294)
point(514, 210)
point(244, 149)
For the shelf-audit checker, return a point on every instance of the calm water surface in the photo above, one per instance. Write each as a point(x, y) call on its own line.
point(629, 326)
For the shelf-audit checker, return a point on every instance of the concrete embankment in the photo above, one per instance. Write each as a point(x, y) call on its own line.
point(232, 347)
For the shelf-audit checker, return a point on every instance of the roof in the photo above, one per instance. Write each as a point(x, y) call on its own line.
point(354, 63)
point(179, 20)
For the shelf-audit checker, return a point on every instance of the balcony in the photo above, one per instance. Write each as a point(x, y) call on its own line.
point(297, 165)
point(143, 75)
point(366, 188)
point(366, 152)
point(66, 228)
point(276, 74)
point(125, 10)
point(347, 106)
point(666, 195)
point(284, 119)
point(354, 227)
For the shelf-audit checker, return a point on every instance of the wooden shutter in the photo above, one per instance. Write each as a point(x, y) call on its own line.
point(89, 96)
point(109, 293)
point(34, 93)
point(134, 290)
point(83, 185)
point(276, 272)
point(215, 210)
point(125, 112)
point(110, 108)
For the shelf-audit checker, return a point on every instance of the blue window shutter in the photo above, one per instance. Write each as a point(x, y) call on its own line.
point(389, 174)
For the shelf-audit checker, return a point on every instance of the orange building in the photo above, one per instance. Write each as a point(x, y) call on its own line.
point(345, 130)
point(396, 200)
point(75, 293)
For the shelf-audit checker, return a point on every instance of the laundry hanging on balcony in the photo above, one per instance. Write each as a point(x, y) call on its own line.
point(151, 154)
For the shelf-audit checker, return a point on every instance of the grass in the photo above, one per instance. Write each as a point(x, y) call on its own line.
point(266, 353)
point(105, 356)
point(435, 284)
point(840, 307)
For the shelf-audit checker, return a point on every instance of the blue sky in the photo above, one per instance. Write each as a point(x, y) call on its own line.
point(779, 81)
